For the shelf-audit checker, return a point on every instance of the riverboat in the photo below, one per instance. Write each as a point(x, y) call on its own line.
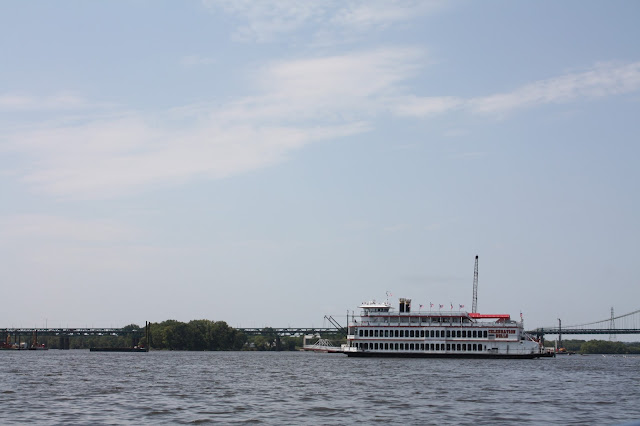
point(380, 331)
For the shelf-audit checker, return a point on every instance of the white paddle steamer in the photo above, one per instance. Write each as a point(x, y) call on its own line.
point(381, 332)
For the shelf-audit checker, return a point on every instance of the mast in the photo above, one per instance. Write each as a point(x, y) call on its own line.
point(474, 307)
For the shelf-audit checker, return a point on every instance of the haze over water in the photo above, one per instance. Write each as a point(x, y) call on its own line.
point(80, 387)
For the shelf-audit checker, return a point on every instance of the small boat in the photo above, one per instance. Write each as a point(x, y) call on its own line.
point(133, 349)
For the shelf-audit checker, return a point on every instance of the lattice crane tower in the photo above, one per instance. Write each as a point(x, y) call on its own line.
point(474, 307)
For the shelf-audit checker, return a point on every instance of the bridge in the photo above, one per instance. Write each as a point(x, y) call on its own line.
point(622, 324)
point(64, 334)
point(613, 326)
point(71, 331)
point(281, 331)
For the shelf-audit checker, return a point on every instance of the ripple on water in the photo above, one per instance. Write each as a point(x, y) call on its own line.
point(76, 387)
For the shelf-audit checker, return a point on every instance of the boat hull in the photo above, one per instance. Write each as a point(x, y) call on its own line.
point(443, 355)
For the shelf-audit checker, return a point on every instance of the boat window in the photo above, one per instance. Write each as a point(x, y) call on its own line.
point(386, 333)
point(422, 346)
point(412, 347)
point(432, 333)
point(475, 333)
point(421, 333)
point(375, 333)
point(458, 333)
point(448, 347)
point(361, 333)
point(401, 333)
point(485, 334)
point(396, 347)
point(448, 333)
point(432, 346)
point(411, 334)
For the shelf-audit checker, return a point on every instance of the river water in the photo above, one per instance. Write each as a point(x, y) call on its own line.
point(82, 387)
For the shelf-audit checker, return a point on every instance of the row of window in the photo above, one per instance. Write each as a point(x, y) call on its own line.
point(466, 334)
point(414, 320)
point(460, 347)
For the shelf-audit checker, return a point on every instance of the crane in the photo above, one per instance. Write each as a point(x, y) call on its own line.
point(474, 307)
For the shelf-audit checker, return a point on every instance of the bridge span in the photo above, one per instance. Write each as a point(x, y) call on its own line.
point(622, 324)
point(72, 331)
point(281, 331)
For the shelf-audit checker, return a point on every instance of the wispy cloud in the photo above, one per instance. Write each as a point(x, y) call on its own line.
point(414, 106)
point(340, 87)
point(268, 21)
point(371, 14)
point(82, 162)
point(297, 103)
point(603, 80)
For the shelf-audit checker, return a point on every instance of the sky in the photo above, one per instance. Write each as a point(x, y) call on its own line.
point(269, 163)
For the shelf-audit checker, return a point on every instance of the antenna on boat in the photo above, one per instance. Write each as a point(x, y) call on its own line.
point(474, 307)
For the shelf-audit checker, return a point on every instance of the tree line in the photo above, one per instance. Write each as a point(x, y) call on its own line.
point(195, 335)
point(599, 346)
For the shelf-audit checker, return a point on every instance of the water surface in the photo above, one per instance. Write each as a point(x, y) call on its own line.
point(82, 387)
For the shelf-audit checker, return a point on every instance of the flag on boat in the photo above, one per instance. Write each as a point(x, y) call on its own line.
point(461, 306)
point(431, 304)
point(441, 306)
point(420, 306)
